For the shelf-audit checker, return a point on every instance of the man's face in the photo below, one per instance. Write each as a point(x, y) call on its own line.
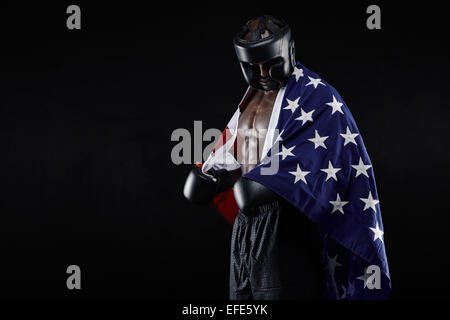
point(264, 68)
point(267, 83)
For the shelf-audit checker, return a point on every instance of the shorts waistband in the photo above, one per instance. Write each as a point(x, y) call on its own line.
point(261, 210)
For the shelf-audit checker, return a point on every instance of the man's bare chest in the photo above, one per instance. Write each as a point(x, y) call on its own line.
point(256, 115)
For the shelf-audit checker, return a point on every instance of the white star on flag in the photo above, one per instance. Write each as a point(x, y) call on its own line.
point(336, 105)
point(299, 174)
point(349, 137)
point(361, 168)
point(332, 264)
point(364, 277)
point(298, 73)
point(306, 116)
point(338, 205)
point(344, 292)
point(331, 172)
point(369, 202)
point(285, 152)
point(378, 234)
point(314, 82)
point(292, 104)
point(318, 140)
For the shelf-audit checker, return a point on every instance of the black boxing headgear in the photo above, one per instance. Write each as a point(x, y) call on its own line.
point(278, 48)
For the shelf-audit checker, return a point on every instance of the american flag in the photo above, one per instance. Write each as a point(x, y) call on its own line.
point(324, 170)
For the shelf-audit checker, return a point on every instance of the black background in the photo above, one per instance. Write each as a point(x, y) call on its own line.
point(87, 115)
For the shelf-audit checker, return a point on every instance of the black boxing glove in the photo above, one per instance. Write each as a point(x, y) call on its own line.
point(200, 188)
point(249, 195)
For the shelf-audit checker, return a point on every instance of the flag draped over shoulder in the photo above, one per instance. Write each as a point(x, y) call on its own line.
point(324, 170)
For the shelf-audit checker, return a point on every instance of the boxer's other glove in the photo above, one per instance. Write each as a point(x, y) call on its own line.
point(250, 195)
point(200, 188)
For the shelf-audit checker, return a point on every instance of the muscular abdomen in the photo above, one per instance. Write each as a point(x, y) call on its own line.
point(252, 129)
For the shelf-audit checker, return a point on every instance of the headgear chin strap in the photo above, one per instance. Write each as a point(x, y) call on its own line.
point(277, 46)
